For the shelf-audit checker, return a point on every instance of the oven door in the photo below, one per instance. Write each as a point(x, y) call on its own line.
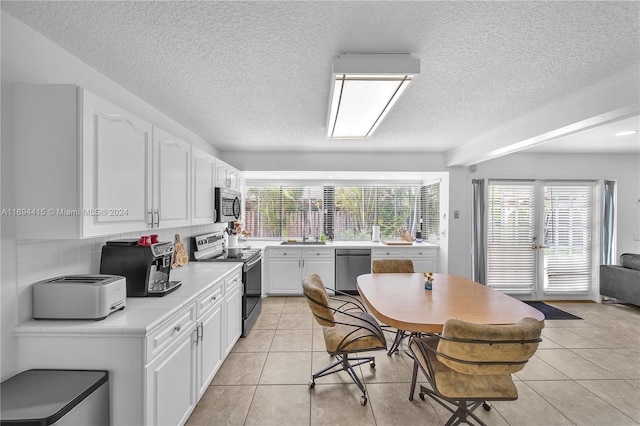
point(228, 205)
point(252, 299)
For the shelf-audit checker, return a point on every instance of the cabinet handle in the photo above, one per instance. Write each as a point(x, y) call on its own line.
point(177, 327)
point(157, 218)
point(214, 297)
point(150, 223)
point(201, 331)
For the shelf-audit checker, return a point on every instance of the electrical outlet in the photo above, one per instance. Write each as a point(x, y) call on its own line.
point(456, 214)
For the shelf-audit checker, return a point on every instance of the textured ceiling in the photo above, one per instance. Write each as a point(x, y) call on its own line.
point(255, 75)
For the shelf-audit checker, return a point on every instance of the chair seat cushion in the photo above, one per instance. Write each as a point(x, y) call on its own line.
point(452, 384)
point(353, 334)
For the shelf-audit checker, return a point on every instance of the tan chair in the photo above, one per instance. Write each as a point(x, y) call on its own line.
point(393, 266)
point(347, 329)
point(469, 364)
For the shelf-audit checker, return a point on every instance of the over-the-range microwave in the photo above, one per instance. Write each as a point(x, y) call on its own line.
point(228, 204)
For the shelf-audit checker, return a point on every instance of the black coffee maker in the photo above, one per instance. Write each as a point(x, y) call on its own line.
point(146, 267)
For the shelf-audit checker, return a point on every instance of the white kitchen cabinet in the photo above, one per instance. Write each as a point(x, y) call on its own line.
point(203, 187)
point(320, 261)
point(425, 259)
point(93, 176)
point(102, 170)
point(172, 180)
point(287, 266)
point(171, 383)
point(209, 333)
point(171, 372)
point(232, 311)
point(116, 167)
point(227, 176)
point(161, 358)
point(283, 271)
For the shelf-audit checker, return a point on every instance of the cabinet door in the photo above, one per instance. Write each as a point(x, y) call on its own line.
point(321, 262)
point(172, 174)
point(424, 260)
point(117, 179)
point(284, 275)
point(233, 316)
point(222, 174)
point(424, 264)
point(210, 350)
point(204, 171)
point(171, 383)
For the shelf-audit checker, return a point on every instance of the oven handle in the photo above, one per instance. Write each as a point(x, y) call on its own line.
point(248, 266)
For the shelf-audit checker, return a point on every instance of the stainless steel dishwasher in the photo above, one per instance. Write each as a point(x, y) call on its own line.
point(349, 264)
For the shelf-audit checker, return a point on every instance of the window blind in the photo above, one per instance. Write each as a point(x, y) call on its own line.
point(431, 212)
point(343, 212)
point(567, 238)
point(510, 236)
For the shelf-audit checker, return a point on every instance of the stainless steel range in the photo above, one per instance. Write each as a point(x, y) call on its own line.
point(211, 248)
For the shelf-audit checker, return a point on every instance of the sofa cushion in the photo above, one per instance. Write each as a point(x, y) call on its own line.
point(631, 261)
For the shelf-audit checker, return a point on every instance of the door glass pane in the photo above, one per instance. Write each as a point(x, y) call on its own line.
point(510, 237)
point(567, 238)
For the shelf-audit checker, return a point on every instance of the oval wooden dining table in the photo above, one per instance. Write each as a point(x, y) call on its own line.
point(401, 301)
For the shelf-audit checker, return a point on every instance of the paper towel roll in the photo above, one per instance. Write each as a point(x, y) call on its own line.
point(375, 234)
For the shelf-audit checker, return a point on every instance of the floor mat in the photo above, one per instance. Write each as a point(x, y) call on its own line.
point(552, 313)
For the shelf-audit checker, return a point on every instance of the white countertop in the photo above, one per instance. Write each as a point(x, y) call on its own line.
point(141, 314)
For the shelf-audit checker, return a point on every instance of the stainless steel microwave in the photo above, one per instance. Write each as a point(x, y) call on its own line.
point(228, 204)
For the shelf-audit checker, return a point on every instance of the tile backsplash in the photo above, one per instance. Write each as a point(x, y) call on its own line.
point(41, 259)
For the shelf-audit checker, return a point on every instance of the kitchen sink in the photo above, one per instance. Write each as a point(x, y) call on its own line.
point(303, 243)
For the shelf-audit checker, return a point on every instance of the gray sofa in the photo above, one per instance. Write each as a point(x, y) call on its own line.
point(622, 282)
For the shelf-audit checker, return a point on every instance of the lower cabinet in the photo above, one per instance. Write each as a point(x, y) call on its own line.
point(233, 312)
point(171, 382)
point(424, 259)
point(209, 334)
point(157, 373)
point(287, 266)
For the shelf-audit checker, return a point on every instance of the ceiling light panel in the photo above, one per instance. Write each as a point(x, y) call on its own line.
point(364, 89)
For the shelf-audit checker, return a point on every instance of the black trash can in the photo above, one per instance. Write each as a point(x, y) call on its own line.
point(55, 397)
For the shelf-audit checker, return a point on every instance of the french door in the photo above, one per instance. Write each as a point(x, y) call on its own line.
point(539, 239)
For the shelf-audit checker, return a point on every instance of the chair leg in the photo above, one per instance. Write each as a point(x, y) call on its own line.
point(414, 379)
point(400, 334)
point(346, 364)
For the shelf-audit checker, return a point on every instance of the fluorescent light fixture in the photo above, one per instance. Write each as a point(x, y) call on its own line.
point(364, 88)
point(627, 133)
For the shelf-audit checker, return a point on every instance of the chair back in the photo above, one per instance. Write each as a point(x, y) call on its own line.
point(318, 300)
point(488, 349)
point(392, 266)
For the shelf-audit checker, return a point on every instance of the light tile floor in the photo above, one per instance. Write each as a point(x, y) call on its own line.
point(585, 372)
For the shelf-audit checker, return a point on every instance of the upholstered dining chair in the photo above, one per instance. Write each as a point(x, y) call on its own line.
point(469, 364)
point(393, 266)
point(347, 329)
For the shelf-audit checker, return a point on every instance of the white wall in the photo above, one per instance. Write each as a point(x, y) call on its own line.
point(29, 57)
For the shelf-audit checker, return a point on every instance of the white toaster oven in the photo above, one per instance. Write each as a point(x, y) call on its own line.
point(79, 297)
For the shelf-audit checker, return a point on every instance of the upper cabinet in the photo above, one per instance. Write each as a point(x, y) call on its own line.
point(204, 178)
point(89, 168)
point(172, 180)
point(116, 167)
point(227, 176)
